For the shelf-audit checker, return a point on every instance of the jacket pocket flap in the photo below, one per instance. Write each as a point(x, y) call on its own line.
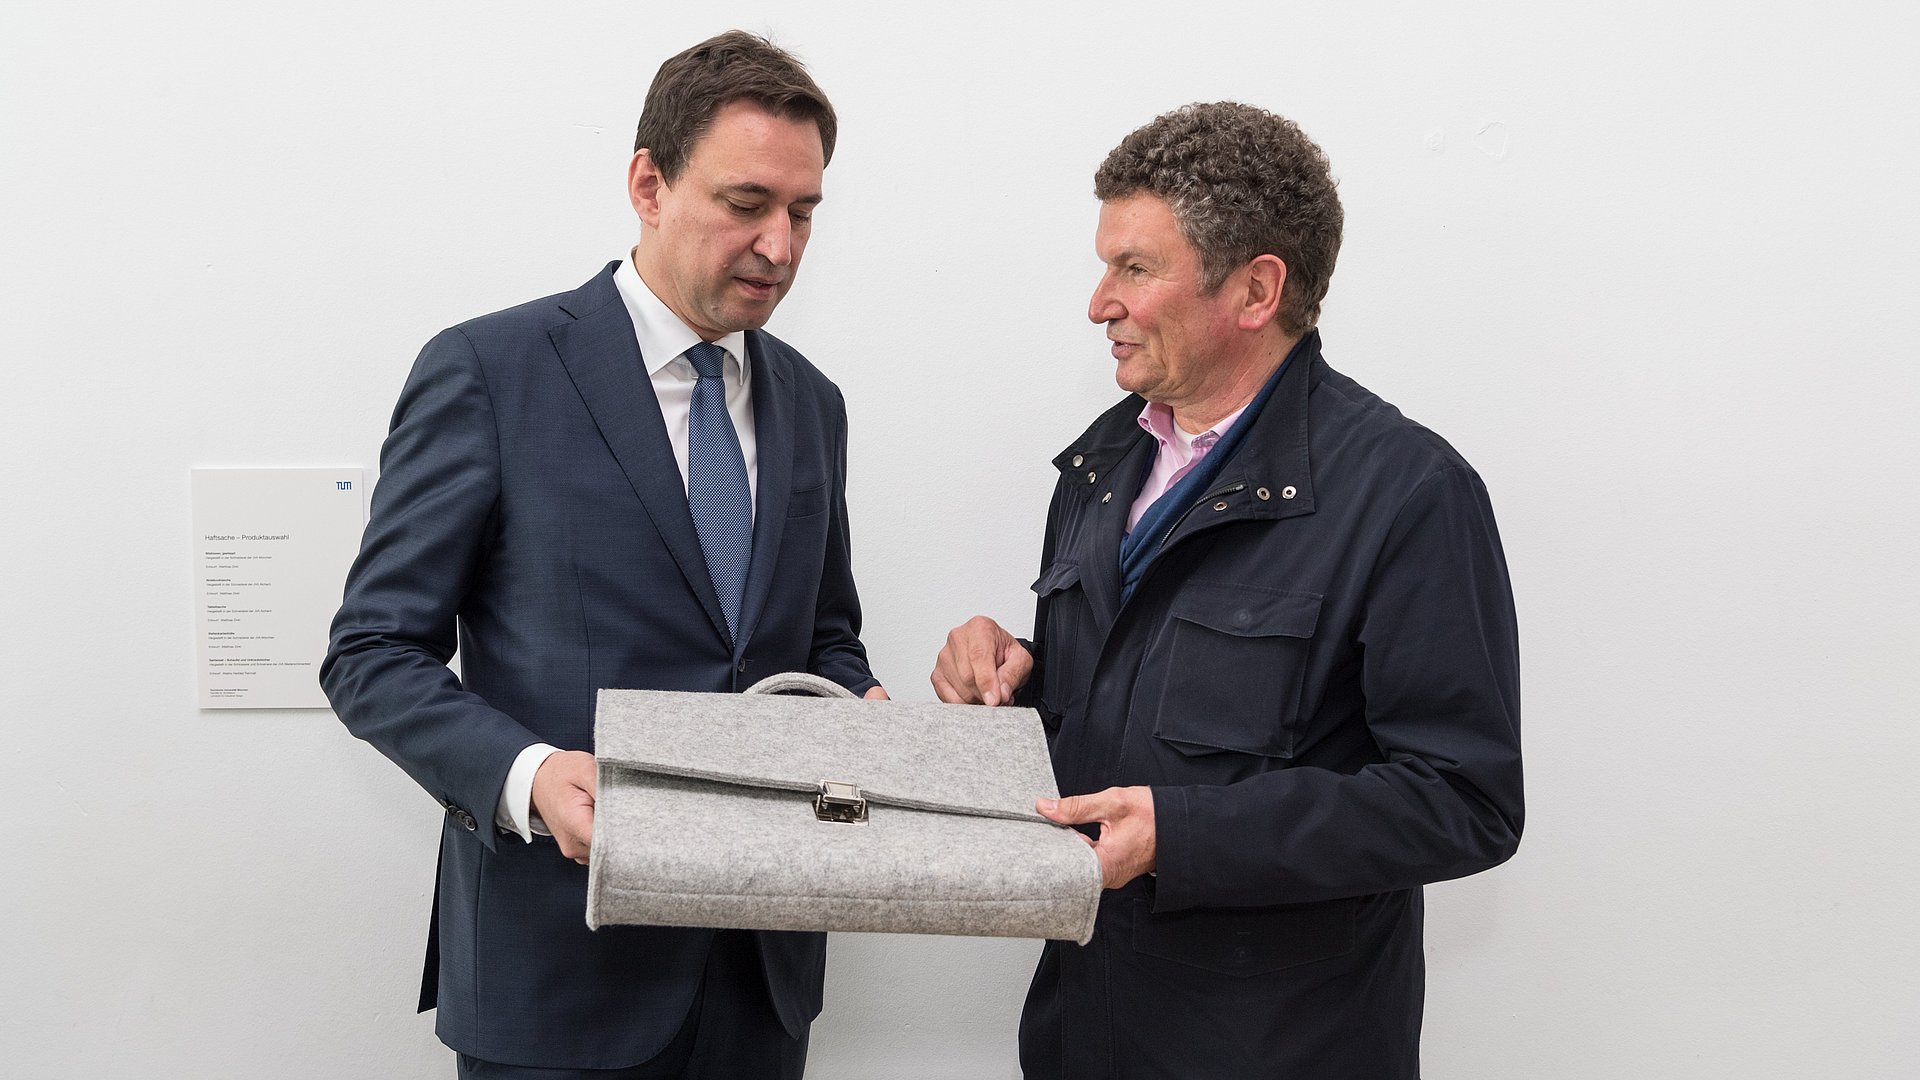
point(1061, 575)
point(1247, 611)
point(804, 502)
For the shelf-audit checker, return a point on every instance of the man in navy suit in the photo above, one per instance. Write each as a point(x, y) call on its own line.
point(626, 485)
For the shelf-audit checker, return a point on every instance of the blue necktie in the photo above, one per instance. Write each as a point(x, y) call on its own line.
point(717, 491)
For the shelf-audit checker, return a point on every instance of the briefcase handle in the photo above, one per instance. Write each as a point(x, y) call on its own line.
point(799, 682)
point(836, 800)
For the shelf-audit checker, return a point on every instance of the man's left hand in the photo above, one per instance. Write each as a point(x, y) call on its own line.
point(1125, 817)
point(878, 693)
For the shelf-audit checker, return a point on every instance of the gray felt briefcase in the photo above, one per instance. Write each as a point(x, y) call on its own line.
point(768, 811)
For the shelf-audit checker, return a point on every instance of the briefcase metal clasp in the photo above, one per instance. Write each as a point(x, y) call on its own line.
point(839, 802)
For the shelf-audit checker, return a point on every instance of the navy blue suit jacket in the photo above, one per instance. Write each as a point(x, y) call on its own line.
point(530, 510)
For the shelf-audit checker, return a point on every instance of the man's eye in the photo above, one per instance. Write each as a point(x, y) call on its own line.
point(741, 208)
point(802, 219)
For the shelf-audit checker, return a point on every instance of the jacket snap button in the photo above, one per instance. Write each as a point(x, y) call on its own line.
point(1220, 505)
point(1107, 498)
point(1241, 617)
point(1287, 492)
point(1078, 460)
point(1263, 493)
point(1091, 478)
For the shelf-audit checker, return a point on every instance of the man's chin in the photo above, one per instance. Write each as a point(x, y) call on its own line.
point(1132, 380)
point(737, 317)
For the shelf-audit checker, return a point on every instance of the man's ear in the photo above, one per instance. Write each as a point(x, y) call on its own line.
point(1265, 278)
point(644, 184)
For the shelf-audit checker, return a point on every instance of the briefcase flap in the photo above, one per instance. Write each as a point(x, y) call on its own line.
point(959, 759)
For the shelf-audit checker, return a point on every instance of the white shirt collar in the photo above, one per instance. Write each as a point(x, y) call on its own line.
point(664, 339)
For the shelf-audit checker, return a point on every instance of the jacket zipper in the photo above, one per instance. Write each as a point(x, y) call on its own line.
point(1181, 520)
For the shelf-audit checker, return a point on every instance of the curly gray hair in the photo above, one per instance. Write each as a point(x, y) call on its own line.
point(1242, 182)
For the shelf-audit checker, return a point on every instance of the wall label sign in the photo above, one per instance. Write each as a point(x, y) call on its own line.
point(271, 549)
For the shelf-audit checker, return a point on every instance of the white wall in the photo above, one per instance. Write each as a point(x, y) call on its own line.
point(1650, 266)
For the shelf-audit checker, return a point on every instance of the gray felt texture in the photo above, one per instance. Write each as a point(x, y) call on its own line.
point(705, 818)
point(800, 682)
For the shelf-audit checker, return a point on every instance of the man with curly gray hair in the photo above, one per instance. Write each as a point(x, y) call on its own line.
point(1241, 183)
point(1275, 646)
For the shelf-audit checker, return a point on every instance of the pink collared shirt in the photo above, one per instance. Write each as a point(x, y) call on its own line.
point(1179, 452)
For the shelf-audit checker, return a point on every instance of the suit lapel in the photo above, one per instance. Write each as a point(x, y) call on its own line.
point(773, 437)
point(603, 359)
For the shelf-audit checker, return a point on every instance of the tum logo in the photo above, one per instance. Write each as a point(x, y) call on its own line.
point(343, 485)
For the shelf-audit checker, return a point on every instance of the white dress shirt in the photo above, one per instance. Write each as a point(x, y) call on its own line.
point(664, 341)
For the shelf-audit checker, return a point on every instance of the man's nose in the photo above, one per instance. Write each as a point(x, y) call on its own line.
point(776, 241)
point(1103, 307)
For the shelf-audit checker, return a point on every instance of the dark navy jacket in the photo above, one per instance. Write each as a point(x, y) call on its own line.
point(529, 497)
point(1319, 679)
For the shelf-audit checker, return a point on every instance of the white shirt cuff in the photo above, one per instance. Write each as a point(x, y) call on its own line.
point(515, 811)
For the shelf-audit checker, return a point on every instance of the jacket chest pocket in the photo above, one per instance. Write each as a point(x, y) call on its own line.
point(1230, 665)
point(1062, 622)
point(805, 502)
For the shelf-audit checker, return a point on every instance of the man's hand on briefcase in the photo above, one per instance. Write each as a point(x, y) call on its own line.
point(1125, 815)
point(981, 664)
point(563, 797)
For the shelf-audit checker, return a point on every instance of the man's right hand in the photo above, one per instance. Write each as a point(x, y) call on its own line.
point(981, 664)
point(563, 797)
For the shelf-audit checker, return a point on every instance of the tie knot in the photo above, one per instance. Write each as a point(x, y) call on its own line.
point(706, 358)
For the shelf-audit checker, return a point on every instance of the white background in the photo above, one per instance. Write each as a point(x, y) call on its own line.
point(1650, 266)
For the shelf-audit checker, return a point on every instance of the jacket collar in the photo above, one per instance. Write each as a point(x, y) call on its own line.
point(1273, 459)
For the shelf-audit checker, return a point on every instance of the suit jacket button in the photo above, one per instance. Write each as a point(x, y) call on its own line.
point(465, 819)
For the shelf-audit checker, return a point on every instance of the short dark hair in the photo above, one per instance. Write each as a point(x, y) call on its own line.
point(735, 66)
point(1242, 182)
